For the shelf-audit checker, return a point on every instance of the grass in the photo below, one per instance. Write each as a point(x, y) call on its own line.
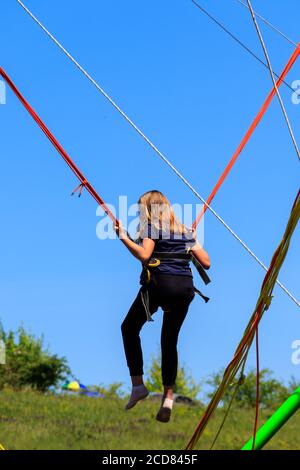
point(32, 421)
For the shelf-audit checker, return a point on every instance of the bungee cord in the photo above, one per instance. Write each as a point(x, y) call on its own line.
point(247, 135)
point(84, 183)
point(297, 151)
point(262, 305)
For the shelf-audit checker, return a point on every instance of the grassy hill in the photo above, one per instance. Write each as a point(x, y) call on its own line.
point(30, 420)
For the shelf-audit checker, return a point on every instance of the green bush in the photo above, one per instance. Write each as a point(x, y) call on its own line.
point(28, 364)
point(272, 392)
point(112, 390)
point(185, 384)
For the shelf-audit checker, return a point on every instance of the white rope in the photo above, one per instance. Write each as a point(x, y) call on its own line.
point(236, 39)
point(156, 150)
point(271, 25)
point(273, 78)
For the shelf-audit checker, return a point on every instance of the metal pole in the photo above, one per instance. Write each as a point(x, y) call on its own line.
point(275, 423)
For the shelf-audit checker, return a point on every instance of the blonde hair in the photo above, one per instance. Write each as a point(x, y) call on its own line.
point(156, 209)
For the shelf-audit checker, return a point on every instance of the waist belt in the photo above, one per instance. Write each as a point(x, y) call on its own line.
point(182, 256)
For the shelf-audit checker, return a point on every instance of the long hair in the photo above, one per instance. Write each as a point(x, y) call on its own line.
point(156, 210)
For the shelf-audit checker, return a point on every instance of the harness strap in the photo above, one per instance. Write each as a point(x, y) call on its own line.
point(146, 302)
point(155, 261)
point(203, 274)
point(185, 256)
point(204, 297)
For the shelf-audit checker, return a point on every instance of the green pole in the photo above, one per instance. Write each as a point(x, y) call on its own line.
point(275, 423)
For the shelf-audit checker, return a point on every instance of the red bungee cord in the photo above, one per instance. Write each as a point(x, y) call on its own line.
point(248, 134)
point(83, 181)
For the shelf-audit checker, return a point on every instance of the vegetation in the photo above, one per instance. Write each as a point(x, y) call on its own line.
point(33, 420)
point(185, 384)
point(28, 364)
point(34, 416)
point(272, 392)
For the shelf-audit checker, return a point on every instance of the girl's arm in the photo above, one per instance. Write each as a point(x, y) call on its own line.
point(201, 255)
point(141, 252)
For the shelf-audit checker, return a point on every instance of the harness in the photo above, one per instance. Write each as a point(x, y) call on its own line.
point(155, 261)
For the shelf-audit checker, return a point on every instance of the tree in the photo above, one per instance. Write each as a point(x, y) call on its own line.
point(185, 384)
point(28, 364)
point(293, 384)
point(272, 392)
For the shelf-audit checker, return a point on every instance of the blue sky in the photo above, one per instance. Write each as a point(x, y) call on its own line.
point(193, 92)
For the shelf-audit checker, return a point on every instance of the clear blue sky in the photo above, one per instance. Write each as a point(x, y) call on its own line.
point(194, 92)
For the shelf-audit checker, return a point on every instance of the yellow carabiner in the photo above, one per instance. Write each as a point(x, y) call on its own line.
point(153, 263)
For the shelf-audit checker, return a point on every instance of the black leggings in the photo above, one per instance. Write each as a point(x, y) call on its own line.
point(173, 294)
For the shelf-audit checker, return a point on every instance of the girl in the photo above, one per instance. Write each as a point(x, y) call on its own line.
point(168, 285)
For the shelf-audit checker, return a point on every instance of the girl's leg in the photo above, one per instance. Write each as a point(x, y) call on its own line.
point(172, 322)
point(177, 298)
point(168, 391)
point(131, 328)
point(136, 380)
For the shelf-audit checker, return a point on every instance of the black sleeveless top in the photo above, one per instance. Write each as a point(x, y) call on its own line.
point(171, 243)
